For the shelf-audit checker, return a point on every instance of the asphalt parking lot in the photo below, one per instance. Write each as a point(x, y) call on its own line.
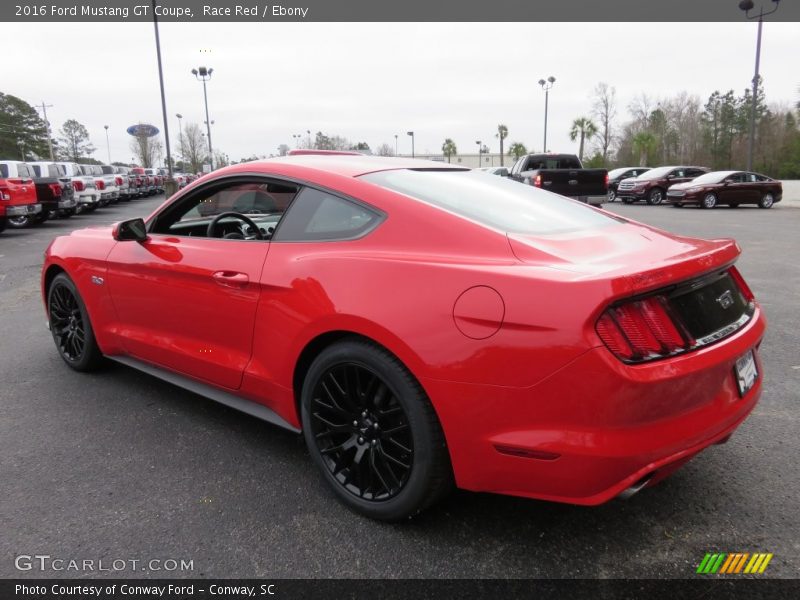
point(119, 465)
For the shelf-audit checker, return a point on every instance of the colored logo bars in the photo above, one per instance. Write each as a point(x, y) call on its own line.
point(737, 562)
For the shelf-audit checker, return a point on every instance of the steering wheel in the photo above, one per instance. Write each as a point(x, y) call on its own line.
point(212, 227)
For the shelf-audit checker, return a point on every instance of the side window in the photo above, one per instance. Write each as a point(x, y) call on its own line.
point(38, 170)
point(263, 202)
point(317, 215)
point(695, 172)
point(678, 173)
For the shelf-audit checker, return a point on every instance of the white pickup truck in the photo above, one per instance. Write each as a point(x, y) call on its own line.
point(106, 183)
point(85, 188)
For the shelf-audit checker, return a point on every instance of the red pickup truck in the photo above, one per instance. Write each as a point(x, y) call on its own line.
point(17, 197)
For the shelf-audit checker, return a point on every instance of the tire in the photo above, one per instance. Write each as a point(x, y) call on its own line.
point(354, 394)
point(20, 222)
point(766, 201)
point(656, 196)
point(612, 195)
point(2, 224)
point(709, 201)
point(70, 326)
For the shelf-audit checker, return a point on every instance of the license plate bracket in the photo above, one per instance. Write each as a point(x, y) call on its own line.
point(746, 372)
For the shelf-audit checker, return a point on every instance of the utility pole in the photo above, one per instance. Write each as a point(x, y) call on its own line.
point(47, 128)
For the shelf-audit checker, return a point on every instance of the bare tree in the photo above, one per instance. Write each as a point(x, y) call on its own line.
point(147, 150)
point(640, 108)
point(384, 150)
point(195, 150)
point(604, 110)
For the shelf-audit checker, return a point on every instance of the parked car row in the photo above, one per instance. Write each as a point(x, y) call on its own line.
point(683, 185)
point(32, 192)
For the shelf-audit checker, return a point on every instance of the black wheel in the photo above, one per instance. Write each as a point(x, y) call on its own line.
point(656, 196)
point(709, 201)
point(373, 433)
point(767, 201)
point(2, 224)
point(70, 326)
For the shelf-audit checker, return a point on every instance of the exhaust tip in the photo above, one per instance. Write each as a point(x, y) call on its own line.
point(636, 487)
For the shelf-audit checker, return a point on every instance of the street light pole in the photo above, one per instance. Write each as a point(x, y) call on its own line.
point(180, 135)
point(480, 151)
point(395, 144)
point(411, 133)
point(169, 187)
point(108, 146)
point(747, 6)
point(203, 74)
point(546, 86)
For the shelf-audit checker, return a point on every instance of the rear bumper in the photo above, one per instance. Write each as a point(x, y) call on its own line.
point(596, 427)
point(89, 197)
point(21, 210)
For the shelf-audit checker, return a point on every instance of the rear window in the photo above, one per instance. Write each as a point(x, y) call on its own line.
point(553, 162)
point(496, 202)
point(3, 171)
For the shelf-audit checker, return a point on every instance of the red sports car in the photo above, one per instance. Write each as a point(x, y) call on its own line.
point(424, 326)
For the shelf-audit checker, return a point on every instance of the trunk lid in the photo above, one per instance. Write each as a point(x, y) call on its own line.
point(635, 258)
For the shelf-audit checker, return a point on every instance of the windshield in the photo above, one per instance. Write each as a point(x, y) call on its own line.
point(656, 173)
point(715, 177)
point(496, 202)
point(617, 172)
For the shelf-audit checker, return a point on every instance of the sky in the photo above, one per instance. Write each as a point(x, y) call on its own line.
point(370, 81)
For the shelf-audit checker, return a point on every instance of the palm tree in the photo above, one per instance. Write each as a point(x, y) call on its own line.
point(517, 149)
point(449, 148)
point(644, 144)
point(502, 133)
point(584, 128)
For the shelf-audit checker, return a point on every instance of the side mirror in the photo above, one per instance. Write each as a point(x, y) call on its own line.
point(131, 230)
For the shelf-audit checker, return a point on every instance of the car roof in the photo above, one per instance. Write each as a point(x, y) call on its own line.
point(354, 165)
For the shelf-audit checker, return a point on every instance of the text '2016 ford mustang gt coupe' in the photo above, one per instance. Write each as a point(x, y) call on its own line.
point(424, 326)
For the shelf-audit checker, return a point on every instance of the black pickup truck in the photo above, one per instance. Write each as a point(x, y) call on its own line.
point(562, 174)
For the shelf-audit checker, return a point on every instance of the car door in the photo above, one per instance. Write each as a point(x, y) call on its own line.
point(753, 187)
point(733, 190)
point(186, 301)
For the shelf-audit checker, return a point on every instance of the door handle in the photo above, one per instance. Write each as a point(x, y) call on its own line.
point(231, 278)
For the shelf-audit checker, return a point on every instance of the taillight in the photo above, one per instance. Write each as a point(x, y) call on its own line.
point(641, 330)
point(118, 180)
point(537, 181)
point(101, 185)
point(606, 180)
point(56, 189)
point(4, 195)
point(78, 186)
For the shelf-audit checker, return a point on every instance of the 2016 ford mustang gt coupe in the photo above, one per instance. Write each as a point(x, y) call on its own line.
point(425, 326)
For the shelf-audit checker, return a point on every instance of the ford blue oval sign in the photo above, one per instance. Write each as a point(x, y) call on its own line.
point(143, 130)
